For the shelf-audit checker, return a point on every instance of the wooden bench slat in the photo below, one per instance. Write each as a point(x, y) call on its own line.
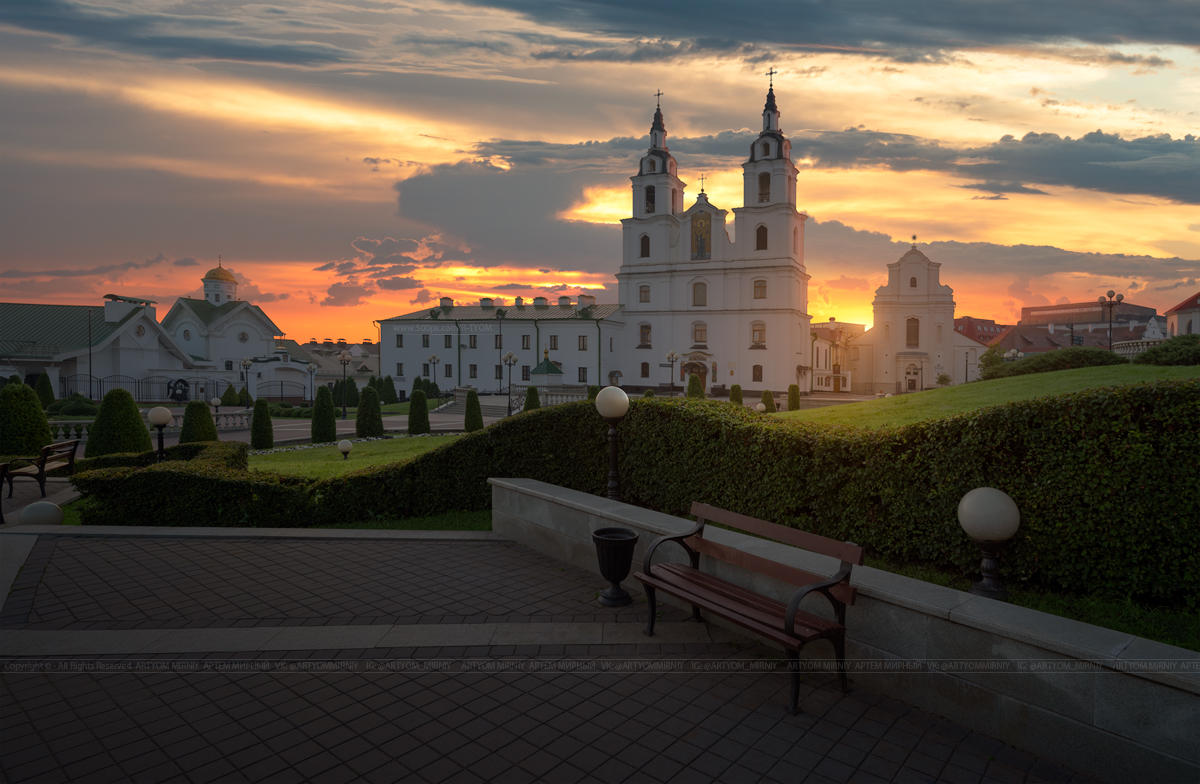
point(775, 569)
point(843, 551)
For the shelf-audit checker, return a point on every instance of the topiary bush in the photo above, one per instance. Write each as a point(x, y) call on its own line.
point(695, 387)
point(388, 391)
point(15, 379)
point(1062, 359)
point(532, 403)
point(324, 419)
point(794, 397)
point(23, 426)
point(474, 418)
point(230, 396)
point(352, 395)
point(768, 400)
point(78, 407)
point(432, 391)
point(418, 414)
point(368, 422)
point(648, 393)
point(418, 386)
point(118, 427)
point(45, 390)
point(262, 431)
point(1179, 350)
point(593, 390)
point(244, 399)
point(198, 424)
point(735, 394)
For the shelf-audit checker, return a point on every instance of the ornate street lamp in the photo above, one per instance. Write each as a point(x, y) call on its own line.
point(345, 358)
point(160, 417)
point(433, 360)
point(613, 404)
point(990, 517)
point(216, 403)
point(509, 359)
point(312, 391)
point(1111, 304)
point(672, 357)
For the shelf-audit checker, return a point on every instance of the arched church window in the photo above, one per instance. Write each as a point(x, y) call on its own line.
point(760, 238)
point(795, 240)
point(645, 370)
point(912, 283)
point(643, 294)
point(764, 187)
point(760, 289)
point(766, 149)
point(644, 334)
point(699, 295)
point(700, 333)
point(758, 333)
point(649, 198)
point(645, 247)
point(651, 165)
point(912, 332)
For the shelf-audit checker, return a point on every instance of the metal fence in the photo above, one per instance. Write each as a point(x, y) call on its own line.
point(154, 389)
point(281, 390)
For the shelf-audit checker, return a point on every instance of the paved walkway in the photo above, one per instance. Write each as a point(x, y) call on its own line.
point(405, 658)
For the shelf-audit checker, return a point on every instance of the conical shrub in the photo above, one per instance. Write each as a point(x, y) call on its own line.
point(418, 414)
point(388, 394)
point(262, 430)
point(735, 394)
point(474, 418)
point(244, 399)
point(695, 387)
point(418, 386)
point(198, 424)
point(324, 420)
point(230, 397)
point(368, 422)
point(118, 427)
point(45, 390)
point(794, 397)
point(353, 397)
point(23, 426)
point(531, 400)
point(768, 400)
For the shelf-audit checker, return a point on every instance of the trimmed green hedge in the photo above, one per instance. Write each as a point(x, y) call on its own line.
point(324, 418)
point(368, 421)
point(418, 414)
point(118, 427)
point(474, 417)
point(45, 390)
point(1105, 480)
point(1179, 350)
point(198, 424)
point(262, 432)
point(23, 426)
point(1062, 359)
point(735, 394)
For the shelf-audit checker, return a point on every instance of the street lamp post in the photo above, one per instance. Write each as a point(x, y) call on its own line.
point(160, 417)
point(246, 363)
point(672, 357)
point(312, 391)
point(345, 359)
point(434, 359)
point(990, 517)
point(509, 359)
point(1111, 304)
point(612, 403)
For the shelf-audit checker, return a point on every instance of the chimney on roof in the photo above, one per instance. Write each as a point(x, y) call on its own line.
point(366, 341)
point(586, 301)
point(446, 302)
point(485, 302)
point(539, 302)
point(564, 301)
point(341, 341)
point(520, 302)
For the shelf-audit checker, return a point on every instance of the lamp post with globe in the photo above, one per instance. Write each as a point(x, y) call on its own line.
point(1110, 303)
point(509, 359)
point(160, 417)
point(612, 403)
point(312, 391)
point(672, 357)
point(345, 358)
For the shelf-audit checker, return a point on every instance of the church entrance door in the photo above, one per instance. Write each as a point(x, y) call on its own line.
point(837, 378)
point(910, 377)
point(697, 369)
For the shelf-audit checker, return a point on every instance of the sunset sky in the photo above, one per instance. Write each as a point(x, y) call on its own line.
point(351, 161)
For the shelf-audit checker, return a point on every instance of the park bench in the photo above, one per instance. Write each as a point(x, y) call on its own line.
point(52, 457)
point(770, 619)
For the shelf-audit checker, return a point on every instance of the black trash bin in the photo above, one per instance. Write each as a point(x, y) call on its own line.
point(614, 549)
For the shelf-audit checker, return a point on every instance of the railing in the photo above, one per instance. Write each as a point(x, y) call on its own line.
point(547, 396)
point(65, 430)
point(154, 389)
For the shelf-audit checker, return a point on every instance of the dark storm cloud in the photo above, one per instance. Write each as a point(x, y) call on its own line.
point(166, 36)
point(103, 270)
point(914, 31)
point(343, 295)
point(186, 261)
point(1150, 165)
point(397, 284)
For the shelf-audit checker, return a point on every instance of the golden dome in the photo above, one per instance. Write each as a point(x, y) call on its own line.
point(219, 273)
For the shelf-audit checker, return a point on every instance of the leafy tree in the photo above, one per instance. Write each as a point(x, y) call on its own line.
point(768, 400)
point(198, 424)
point(244, 399)
point(324, 419)
point(793, 397)
point(45, 390)
point(531, 400)
point(1179, 350)
point(735, 394)
point(418, 414)
point(648, 393)
point(474, 418)
point(368, 423)
point(230, 397)
point(993, 357)
point(943, 379)
point(23, 426)
point(388, 391)
point(262, 431)
point(695, 387)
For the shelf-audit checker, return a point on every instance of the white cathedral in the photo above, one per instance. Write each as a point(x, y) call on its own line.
point(734, 311)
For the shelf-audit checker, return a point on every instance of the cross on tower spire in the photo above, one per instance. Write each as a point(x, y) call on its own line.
point(914, 242)
point(771, 75)
point(702, 179)
point(658, 98)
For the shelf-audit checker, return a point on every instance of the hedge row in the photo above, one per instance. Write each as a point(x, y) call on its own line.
point(1048, 361)
point(1105, 480)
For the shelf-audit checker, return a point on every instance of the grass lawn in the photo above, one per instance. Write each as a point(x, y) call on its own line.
point(326, 461)
point(947, 401)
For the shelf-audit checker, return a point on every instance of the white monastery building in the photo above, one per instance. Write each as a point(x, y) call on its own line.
point(734, 310)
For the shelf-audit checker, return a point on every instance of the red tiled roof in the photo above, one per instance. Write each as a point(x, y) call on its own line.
point(1189, 303)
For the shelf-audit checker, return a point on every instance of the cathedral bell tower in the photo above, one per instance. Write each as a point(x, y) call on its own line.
point(656, 188)
point(769, 177)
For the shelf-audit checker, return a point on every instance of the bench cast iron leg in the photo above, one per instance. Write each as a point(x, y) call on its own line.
point(42, 483)
point(653, 611)
point(696, 614)
point(794, 666)
point(839, 648)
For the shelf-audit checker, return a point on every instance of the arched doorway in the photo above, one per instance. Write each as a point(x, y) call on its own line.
point(697, 369)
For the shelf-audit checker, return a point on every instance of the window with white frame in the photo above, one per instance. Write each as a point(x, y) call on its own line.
point(583, 342)
point(399, 368)
point(399, 341)
point(525, 342)
point(554, 342)
point(524, 372)
point(644, 334)
point(472, 371)
point(699, 333)
point(643, 294)
point(425, 341)
point(758, 333)
point(760, 289)
point(472, 341)
point(582, 375)
point(448, 342)
point(699, 295)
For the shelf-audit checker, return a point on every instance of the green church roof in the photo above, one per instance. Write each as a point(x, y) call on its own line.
point(29, 330)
